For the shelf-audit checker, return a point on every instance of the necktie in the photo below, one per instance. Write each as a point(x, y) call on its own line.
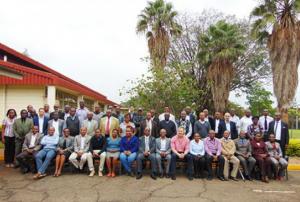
point(107, 126)
point(65, 144)
point(266, 124)
point(276, 128)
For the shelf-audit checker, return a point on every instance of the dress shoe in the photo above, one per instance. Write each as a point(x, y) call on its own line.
point(233, 178)
point(139, 176)
point(92, 173)
point(153, 176)
point(209, 178)
point(222, 178)
point(161, 175)
point(173, 177)
point(190, 177)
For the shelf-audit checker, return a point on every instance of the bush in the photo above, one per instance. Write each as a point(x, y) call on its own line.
point(294, 148)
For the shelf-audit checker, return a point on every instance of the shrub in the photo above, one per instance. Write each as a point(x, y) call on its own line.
point(294, 148)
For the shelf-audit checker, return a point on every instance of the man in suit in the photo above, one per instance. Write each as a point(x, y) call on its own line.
point(41, 121)
point(108, 124)
point(30, 148)
point(146, 152)
point(264, 122)
point(163, 152)
point(81, 151)
point(21, 127)
point(72, 123)
point(208, 118)
point(151, 124)
point(154, 116)
point(56, 123)
point(168, 125)
point(90, 124)
point(61, 114)
point(185, 123)
point(281, 131)
point(229, 126)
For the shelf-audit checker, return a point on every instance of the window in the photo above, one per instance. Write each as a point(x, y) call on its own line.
point(66, 99)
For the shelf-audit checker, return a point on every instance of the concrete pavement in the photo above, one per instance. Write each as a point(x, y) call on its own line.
point(79, 187)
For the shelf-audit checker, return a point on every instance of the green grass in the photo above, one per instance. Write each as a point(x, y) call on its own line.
point(294, 134)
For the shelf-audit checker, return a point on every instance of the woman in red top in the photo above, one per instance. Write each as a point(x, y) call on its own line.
point(260, 153)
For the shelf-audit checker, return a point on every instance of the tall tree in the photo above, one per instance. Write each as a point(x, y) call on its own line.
point(158, 21)
point(220, 48)
point(275, 22)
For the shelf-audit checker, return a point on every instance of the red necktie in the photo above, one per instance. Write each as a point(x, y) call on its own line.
point(107, 126)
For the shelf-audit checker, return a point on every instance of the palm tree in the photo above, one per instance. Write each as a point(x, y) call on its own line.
point(275, 22)
point(220, 47)
point(157, 20)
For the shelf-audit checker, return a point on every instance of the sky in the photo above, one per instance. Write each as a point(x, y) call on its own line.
point(93, 42)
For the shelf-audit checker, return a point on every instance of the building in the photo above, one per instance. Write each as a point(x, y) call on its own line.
point(25, 81)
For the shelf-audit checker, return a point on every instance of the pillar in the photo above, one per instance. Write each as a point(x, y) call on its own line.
point(51, 97)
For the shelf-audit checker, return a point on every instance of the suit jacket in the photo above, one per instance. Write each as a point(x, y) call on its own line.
point(21, 128)
point(37, 145)
point(154, 130)
point(77, 142)
point(45, 124)
point(60, 125)
point(69, 143)
point(285, 138)
point(92, 128)
point(142, 145)
point(222, 128)
point(61, 115)
point(114, 124)
point(158, 145)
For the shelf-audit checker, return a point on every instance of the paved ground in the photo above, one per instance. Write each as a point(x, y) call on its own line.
point(17, 187)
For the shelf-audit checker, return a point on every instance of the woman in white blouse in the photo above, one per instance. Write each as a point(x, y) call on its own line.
point(126, 123)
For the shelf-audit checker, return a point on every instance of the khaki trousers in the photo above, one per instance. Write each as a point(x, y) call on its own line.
point(235, 166)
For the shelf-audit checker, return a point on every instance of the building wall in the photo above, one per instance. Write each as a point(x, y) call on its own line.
point(18, 97)
point(2, 102)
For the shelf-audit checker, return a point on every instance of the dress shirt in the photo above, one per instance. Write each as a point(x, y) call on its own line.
point(212, 146)
point(55, 125)
point(217, 125)
point(262, 120)
point(146, 143)
point(228, 126)
point(162, 117)
point(180, 145)
point(245, 122)
point(277, 130)
point(236, 120)
point(32, 140)
point(82, 142)
point(197, 148)
point(41, 124)
point(149, 124)
point(163, 143)
point(82, 114)
point(66, 115)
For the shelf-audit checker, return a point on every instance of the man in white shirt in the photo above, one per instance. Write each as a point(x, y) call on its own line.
point(246, 121)
point(264, 122)
point(56, 123)
point(41, 121)
point(162, 116)
point(234, 118)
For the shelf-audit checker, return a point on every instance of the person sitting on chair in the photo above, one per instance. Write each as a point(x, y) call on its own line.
point(146, 151)
point(279, 163)
point(112, 152)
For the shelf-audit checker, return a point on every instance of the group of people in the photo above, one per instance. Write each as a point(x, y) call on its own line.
point(80, 136)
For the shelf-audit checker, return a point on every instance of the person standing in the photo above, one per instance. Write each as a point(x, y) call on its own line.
point(108, 123)
point(214, 124)
point(66, 112)
point(41, 121)
point(196, 158)
point(154, 116)
point(146, 152)
point(8, 138)
point(151, 124)
point(161, 117)
point(21, 127)
point(61, 115)
point(185, 123)
point(202, 127)
point(168, 125)
point(137, 120)
point(163, 152)
point(254, 128)
point(126, 123)
point(246, 121)
point(229, 126)
point(281, 131)
point(98, 114)
point(82, 112)
point(234, 118)
point(90, 124)
point(244, 154)
point(56, 123)
point(72, 123)
point(264, 122)
point(47, 111)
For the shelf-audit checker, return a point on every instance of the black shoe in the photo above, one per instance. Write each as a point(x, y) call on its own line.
point(221, 178)
point(161, 175)
point(233, 178)
point(153, 176)
point(247, 177)
point(25, 170)
point(190, 177)
point(173, 177)
point(131, 174)
point(167, 176)
point(209, 178)
point(139, 176)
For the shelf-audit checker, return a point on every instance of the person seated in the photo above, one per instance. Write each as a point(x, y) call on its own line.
point(213, 151)
point(163, 152)
point(44, 156)
point(128, 147)
point(30, 148)
point(81, 151)
point(112, 152)
point(180, 148)
point(146, 152)
point(260, 153)
point(228, 150)
point(244, 154)
point(278, 162)
point(196, 158)
point(64, 149)
point(97, 149)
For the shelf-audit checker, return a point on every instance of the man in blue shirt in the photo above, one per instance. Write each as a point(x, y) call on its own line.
point(49, 143)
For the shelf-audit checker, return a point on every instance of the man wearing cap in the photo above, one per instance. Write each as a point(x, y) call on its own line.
point(281, 131)
point(264, 122)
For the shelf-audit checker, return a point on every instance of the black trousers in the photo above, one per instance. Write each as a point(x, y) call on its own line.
point(195, 165)
point(9, 150)
point(221, 161)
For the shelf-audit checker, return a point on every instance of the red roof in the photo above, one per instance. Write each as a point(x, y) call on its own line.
point(44, 76)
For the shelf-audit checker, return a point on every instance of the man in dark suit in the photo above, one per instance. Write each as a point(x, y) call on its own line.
point(151, 124)
point(214, 122)
point(146, 152)
point(41, 121)
point(226, 124)
point(281, 131)
point(60, 113)
point(209, 119)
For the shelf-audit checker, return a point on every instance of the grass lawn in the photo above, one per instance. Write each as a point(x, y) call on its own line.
point(294, 134)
